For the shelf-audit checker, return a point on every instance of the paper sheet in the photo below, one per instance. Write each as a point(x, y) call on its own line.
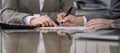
point(78, 28)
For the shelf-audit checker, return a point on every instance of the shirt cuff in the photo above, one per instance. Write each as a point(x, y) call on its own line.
point(28, 18)
point(85, 20)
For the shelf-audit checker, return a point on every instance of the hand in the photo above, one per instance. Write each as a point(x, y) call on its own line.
point(42, 21)
point(61, 16)
point(70, 20)
point(99, 23)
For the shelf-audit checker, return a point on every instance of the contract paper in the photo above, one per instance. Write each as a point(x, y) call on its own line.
point(78, 28)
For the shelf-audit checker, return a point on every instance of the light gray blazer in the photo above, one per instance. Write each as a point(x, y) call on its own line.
point(16, 10)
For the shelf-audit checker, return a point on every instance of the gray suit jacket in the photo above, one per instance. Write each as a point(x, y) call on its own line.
point(16, 10)
point(112, 13)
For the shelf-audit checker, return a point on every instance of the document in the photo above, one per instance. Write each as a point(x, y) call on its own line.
point(78, 28)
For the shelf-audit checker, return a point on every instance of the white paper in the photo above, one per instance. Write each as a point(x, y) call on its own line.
point(78, 28)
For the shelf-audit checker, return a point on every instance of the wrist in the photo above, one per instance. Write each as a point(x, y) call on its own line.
point(31, 21)
point(112, 25)
point(81, 21)
point(27, 19)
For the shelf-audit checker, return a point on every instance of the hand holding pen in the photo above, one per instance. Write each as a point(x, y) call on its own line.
point(61, 16)
point(61, 22)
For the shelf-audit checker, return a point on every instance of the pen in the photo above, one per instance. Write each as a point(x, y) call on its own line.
point(69, 11)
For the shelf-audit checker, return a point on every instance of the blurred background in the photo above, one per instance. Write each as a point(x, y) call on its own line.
point(0, 4)
point(84, 7)
point(85, 4)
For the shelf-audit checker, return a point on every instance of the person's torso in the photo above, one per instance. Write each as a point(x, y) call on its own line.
point(33, 6)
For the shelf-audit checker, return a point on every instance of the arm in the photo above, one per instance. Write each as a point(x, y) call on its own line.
point(112, 13)
point(66, 4)
point(9, 13)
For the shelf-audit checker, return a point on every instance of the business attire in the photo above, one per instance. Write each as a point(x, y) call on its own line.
point(14, 11)
point(112, 13)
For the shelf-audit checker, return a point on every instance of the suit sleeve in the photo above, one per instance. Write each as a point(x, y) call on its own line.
point(66, 4)
point(9, 13)
point(112, 13)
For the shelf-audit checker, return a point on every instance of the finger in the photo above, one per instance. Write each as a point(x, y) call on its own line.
point(102, 26)
point(91, 23)
point(92, 27)
point(54, 24)
point(42, 23)
point(66, 19)
point(68, 24)
point(98, 26)
point(86, 25)
point(60, 17)
point(50, 21)
point(65, 24)
point(96, 21)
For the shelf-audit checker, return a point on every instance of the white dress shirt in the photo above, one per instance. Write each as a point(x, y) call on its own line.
point(28, 18)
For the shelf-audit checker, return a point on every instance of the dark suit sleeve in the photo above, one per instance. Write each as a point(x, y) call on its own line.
point(9, 13)
point(112, 13)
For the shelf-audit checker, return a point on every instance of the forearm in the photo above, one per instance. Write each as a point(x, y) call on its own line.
point(112, 13)
point(11, 16)
point(96, 15)
point(9, 13)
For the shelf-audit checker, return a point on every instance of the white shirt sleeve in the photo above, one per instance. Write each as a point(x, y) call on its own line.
point(28, 18)
point(85, 20)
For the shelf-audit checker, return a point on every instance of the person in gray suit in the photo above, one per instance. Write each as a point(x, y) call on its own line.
point(28, 12)
point(106, 20)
